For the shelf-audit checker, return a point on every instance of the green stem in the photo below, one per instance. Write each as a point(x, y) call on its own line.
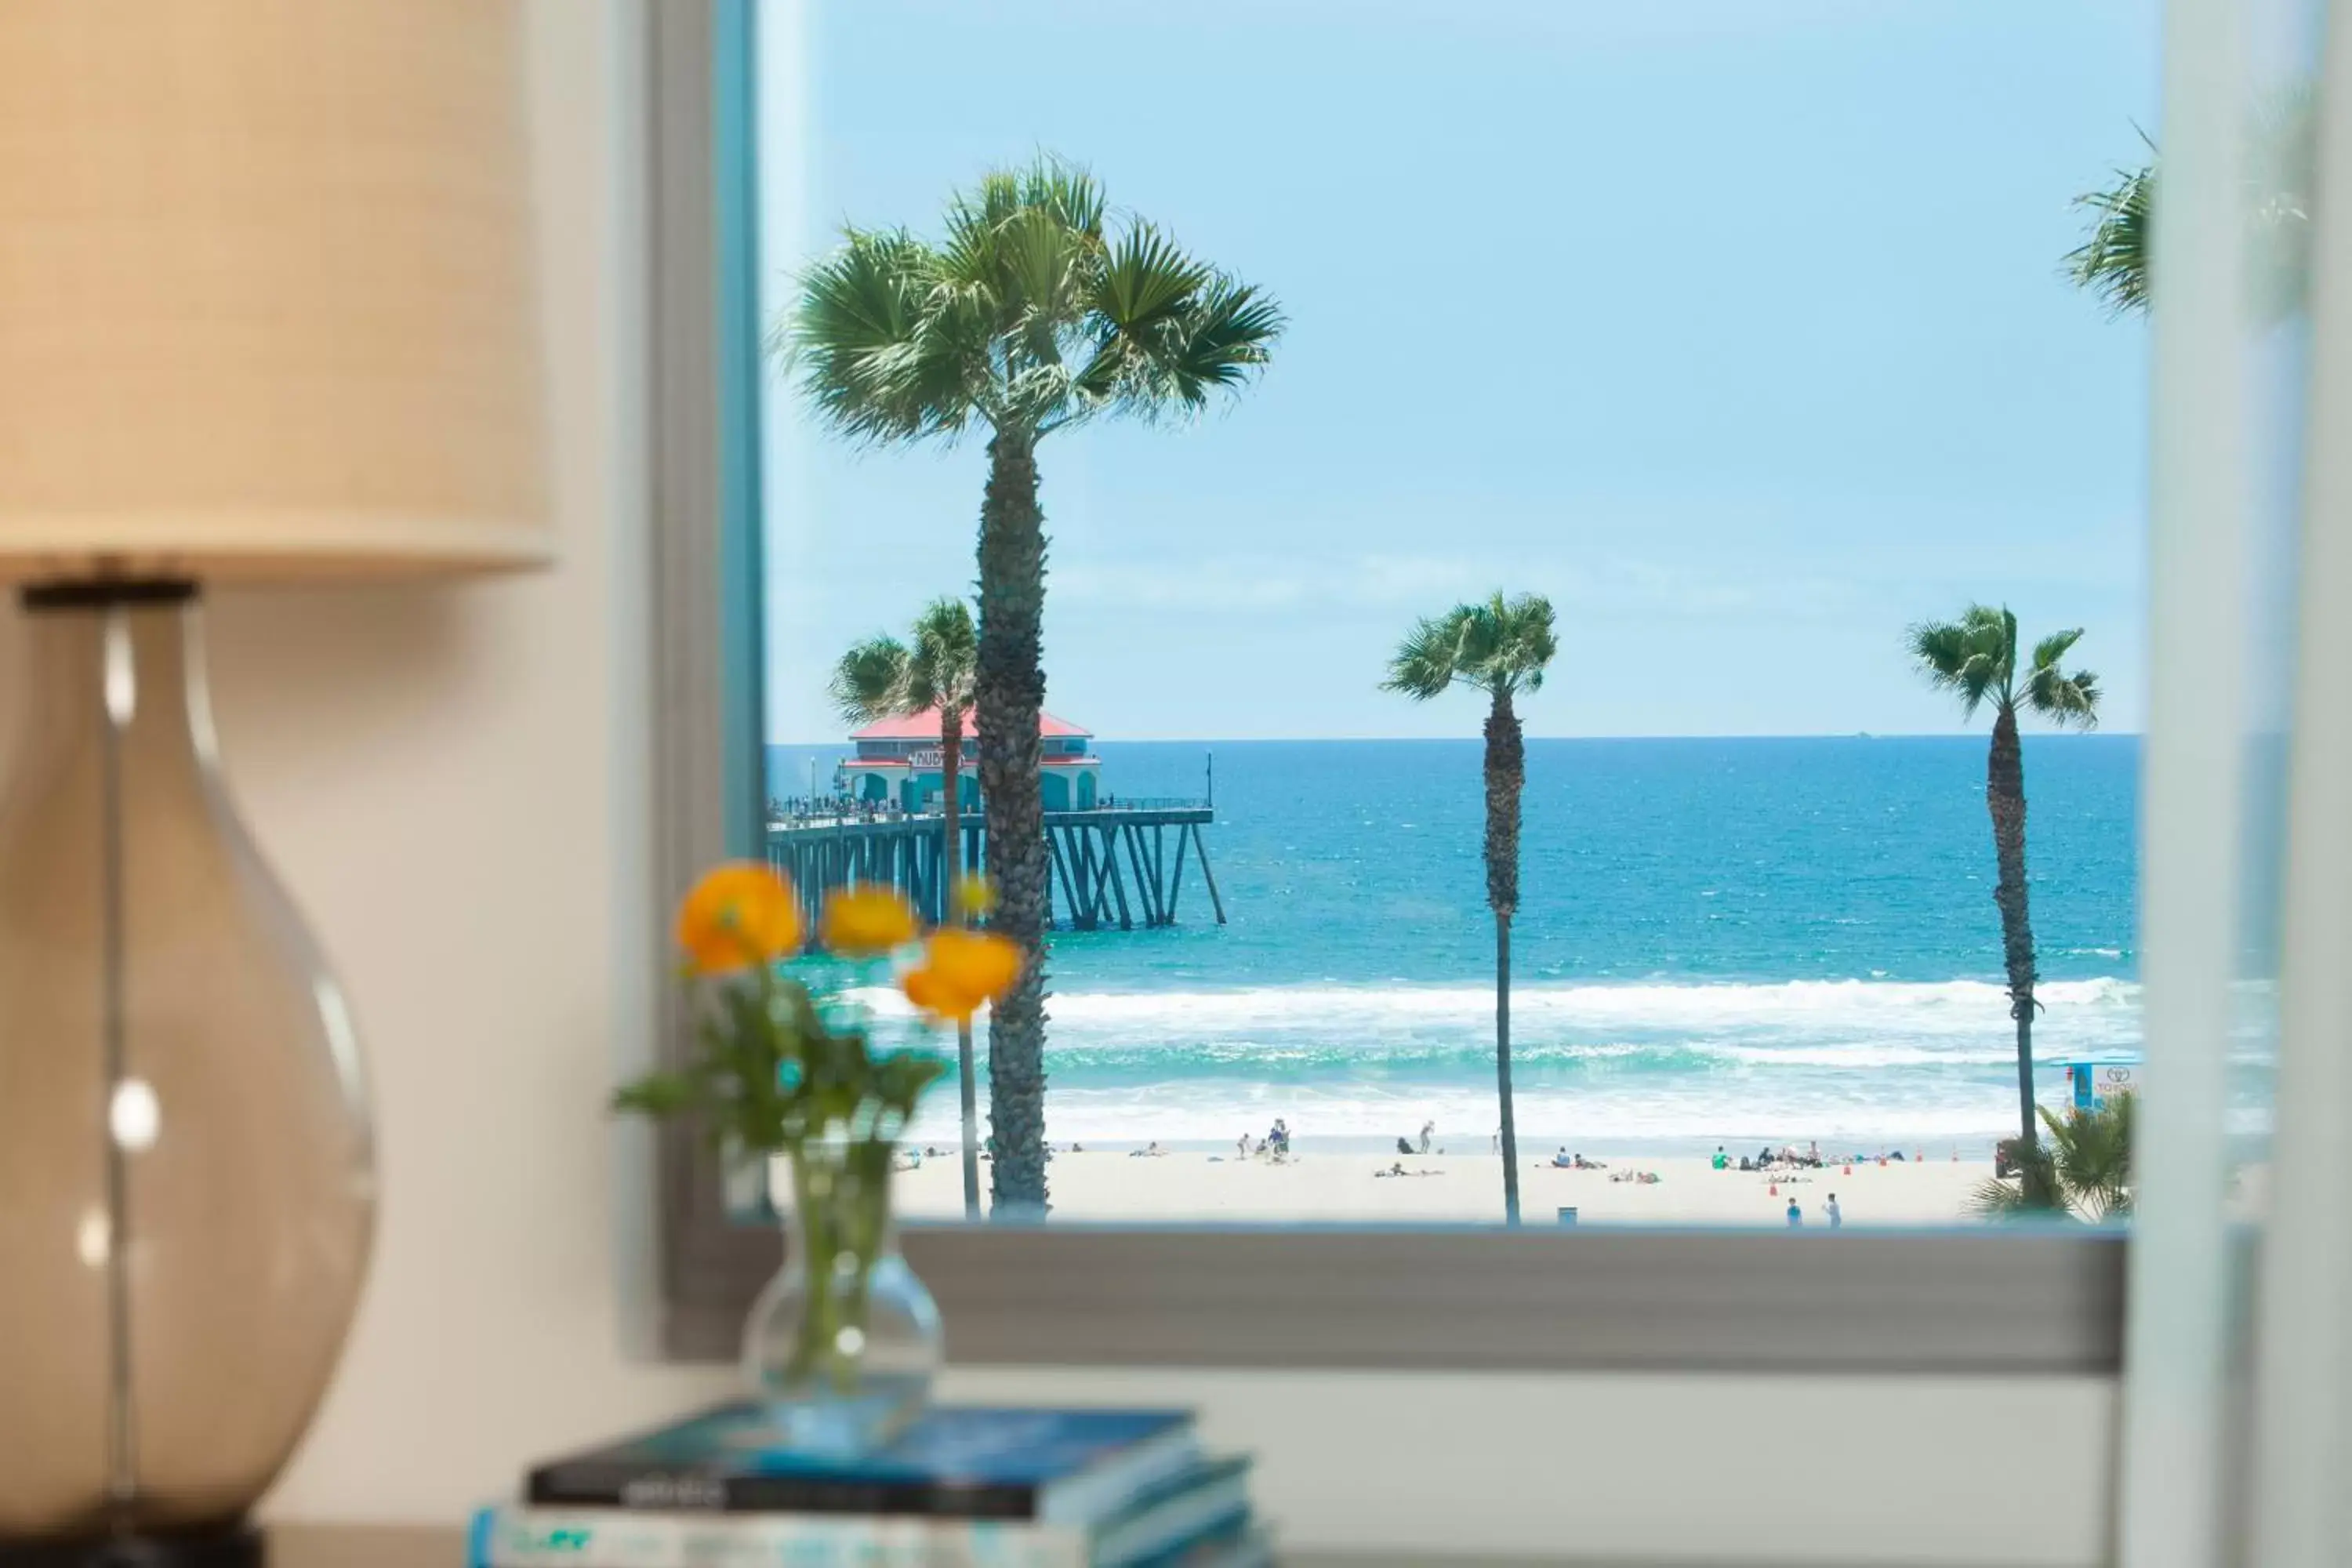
point(841, 1194)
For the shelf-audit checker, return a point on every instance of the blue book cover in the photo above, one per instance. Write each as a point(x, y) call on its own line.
point(1070, 1466)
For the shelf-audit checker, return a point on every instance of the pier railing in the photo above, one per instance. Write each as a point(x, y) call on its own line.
point(799, 812)
point(1120, 862)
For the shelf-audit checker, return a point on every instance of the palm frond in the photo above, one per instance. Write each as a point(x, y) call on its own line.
point(2112, 262)
point(2053, 648)
point(868, 345)
point(1997, 1199)
point(2034, 1192)
point(1174, 333)
point(945, 661)
point(2091, 1157)
point(2070, 702)
point(1146, 279)
point(1427, 662)
point(870, 680)
point(1974, 657)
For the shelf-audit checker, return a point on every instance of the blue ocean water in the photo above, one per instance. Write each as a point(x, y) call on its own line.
point(1717, 941)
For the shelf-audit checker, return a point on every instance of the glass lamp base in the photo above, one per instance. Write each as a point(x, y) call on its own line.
point(237, 1548)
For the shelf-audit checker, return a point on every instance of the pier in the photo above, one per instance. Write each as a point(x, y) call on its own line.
point(1119, 864)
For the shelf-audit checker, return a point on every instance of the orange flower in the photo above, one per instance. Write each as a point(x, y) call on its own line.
point(976, 962)
point(963, 969)
point(928, 990)
point(740, 914)
point(860, 922)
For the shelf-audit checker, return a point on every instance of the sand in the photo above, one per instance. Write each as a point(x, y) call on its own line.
point(1323, 1187)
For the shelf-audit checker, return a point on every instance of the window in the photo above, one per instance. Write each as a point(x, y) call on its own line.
point(1742, 336)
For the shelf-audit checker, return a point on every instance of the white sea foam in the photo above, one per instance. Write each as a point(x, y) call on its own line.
point(1916, 1014)
point(1866, 1061)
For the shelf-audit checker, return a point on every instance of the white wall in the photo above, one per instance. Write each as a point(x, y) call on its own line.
point(453, 780)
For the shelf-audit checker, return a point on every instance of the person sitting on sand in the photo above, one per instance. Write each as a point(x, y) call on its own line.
point(1404, 1146)
point(1722, 1161)
point(1562, 1161)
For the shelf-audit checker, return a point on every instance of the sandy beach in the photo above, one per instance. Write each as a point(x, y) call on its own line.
point(1313, 1186)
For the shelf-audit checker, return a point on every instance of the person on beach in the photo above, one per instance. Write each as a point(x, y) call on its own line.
point(1722, 1159)
point(1428, 1131)
point(1836, 1214)
point(1816, 1154)
point(1795, 1214)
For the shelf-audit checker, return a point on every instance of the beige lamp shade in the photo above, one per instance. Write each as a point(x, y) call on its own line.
point(267, 302)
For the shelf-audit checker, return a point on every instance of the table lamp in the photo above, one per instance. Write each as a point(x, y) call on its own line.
point(267, 315)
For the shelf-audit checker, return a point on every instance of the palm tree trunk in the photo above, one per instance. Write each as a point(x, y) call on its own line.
point(2005, 801)
point(1011, 691)
point(951, 868)
point(1507, 773)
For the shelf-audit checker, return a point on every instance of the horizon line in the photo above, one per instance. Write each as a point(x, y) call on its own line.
point(1474, 740)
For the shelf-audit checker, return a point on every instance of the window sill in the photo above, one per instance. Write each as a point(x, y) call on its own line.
point(1980, 1300)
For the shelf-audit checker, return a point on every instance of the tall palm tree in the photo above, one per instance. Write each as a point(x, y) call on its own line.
point(1035, 313)
point(1975, 657)
point(1499, 647)
point(882, 677)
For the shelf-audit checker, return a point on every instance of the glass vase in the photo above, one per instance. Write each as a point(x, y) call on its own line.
point(843, 1344)
point(187, 1190)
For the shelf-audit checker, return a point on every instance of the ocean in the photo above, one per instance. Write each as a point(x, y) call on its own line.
point(1727, 942)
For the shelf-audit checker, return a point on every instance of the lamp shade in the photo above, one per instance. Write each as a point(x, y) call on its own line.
point(267, 302)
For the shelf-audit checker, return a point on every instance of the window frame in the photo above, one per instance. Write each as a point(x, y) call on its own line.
point(2013, 1302)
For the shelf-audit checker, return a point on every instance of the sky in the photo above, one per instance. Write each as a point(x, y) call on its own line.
point(1736, 327)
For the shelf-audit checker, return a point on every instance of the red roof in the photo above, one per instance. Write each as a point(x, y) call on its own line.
point(925, 726)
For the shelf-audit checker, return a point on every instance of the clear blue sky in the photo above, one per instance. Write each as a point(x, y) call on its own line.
point(1734, 326)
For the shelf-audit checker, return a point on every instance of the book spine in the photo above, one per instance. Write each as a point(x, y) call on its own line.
point(512, 1537)
point(688, 1491)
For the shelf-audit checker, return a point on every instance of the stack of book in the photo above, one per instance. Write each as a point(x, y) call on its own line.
point(962, 1487)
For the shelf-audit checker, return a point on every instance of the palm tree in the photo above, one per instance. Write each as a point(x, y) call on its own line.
point(1035, 313)
point(1976, 657)
point(1499, 647)
point(2086, 1170)
point(883, 676)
